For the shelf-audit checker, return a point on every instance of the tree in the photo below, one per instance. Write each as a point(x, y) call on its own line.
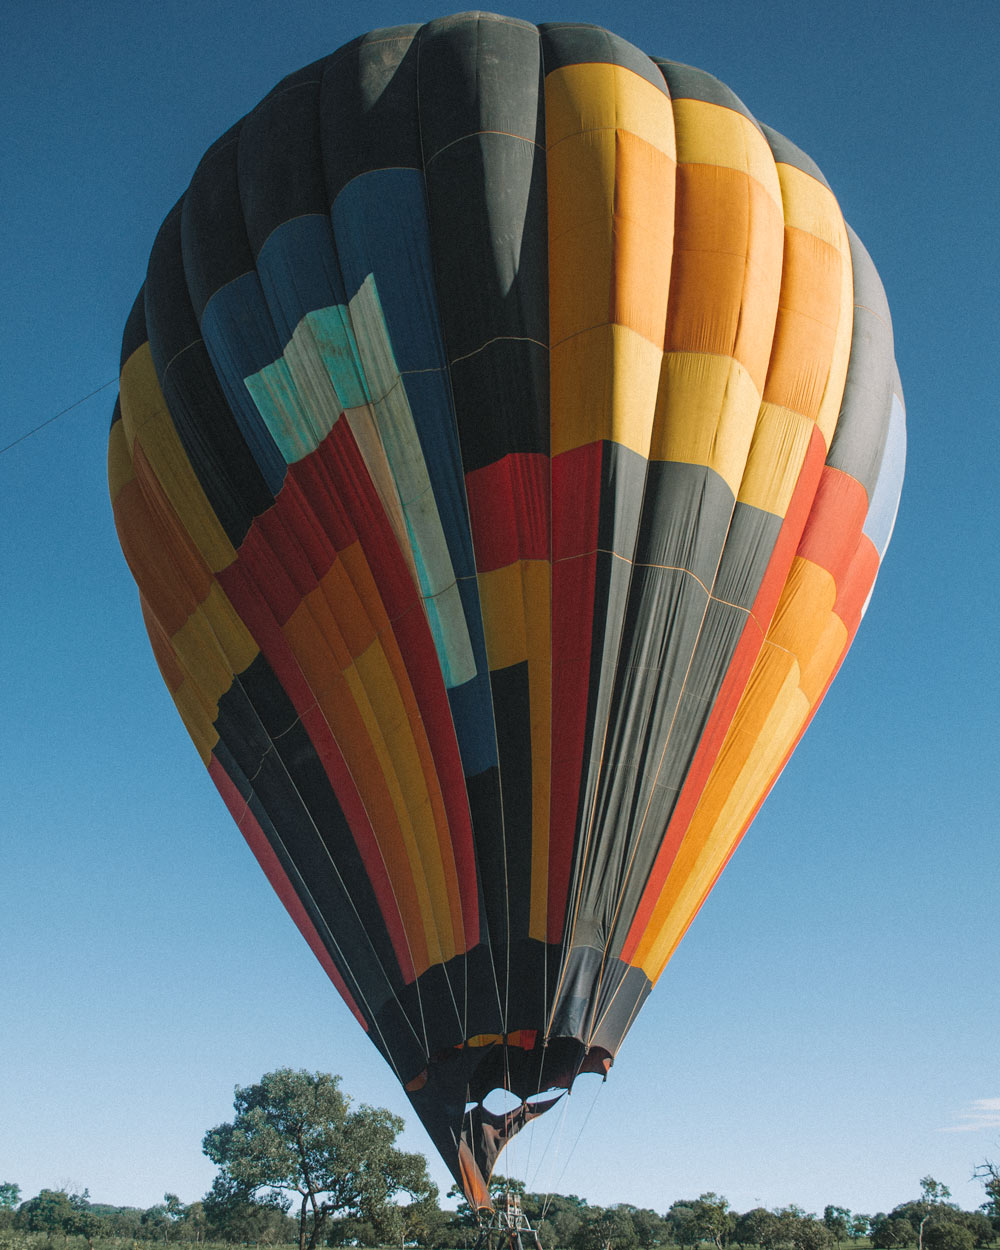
point(610, 1229)
point(755, 1228)
point(682, 1223)
point(949, 1235)
point(838, 1221)
point(933, 1191)
point(711, 1218)
point(230, 1215)
point(891, 1231)
point(294, 1133)
point(989, 1173)
point(10, 1196)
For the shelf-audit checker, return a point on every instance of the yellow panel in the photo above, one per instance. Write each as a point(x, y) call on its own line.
point(729, 246)
point(603, 386)
point(320, 650)
point(167, 569)
point(811, 207)
point(213, 644)
point(610, 207)
point(580, 265)
point(771, 709)
point(786, 722)
point(710, 134)
point(801, 623)
point(833, 396)
point(779, 447)
point(804, 645)
point(813, 340)
point(501, 597)
point(388, 688)
point(705, 413)
point(120, 471)
point(372, 687)
point(597, 97)
point(145, 416)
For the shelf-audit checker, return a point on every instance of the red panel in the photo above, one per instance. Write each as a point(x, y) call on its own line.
point(265, 856)
point(856, 586)
point(732, 688)
point(327, 504)
point(509, 511)
point(834, 527)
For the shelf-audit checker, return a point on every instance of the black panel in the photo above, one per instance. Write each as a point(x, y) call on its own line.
point(135, 328)
point(170, 320)
point(487, 831)
point(487, 210)
point(479, 72)
point(214, 240)
point(482, 126)
point(512, 715)
point(501, 401)
point(368, 107)
point(220, 458)
point(259, 726)
point(279, 162)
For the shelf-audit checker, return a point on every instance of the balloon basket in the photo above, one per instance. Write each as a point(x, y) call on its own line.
point(507, 1228)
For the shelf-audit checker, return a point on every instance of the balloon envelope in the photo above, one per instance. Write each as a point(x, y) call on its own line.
point(509, 436)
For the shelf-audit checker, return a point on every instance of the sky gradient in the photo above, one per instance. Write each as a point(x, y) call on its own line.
point(828, 1030)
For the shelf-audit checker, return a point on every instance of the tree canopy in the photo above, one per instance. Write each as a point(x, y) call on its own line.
point(294, 1133)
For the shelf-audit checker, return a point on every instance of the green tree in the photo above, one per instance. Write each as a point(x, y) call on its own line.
point(10, 1196)
point(610, 1229)
point(755, 1228)
point(891, 1231)
point(989, 1173)
point(231, 1215)
point(294, 1133)
point(711, 1218)
point(682, 1223)
point(837, 1220)
point(933, 1191)
point(948, 1235)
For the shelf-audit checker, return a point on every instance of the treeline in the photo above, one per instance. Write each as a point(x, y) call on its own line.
point(298, 1165)
point(562, 1222)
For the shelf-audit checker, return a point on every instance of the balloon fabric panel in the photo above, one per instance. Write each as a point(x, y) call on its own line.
point(508, 439)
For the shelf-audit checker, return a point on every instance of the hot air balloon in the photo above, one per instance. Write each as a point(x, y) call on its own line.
point(509, 436)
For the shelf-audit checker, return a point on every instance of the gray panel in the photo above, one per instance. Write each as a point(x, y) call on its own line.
point(685, 82)
point(478, 72)
point(788, 154)
point(859, 439)
point(747, 553)
point(570, 43)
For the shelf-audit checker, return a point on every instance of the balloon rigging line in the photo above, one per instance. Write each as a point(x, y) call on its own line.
point(48, 420)
point(572, 1150)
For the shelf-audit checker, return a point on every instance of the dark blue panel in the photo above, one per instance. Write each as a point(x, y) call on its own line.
point(380, 228)
point(299, 272)
point(471, 703)
point(241, 340)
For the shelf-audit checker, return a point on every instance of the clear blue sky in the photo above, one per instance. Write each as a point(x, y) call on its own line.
point(830, 1029)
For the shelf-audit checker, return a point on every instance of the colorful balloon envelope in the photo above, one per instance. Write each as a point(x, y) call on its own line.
point(509, 435)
